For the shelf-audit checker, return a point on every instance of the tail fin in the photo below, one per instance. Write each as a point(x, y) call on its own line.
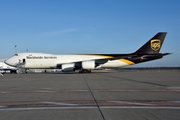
point(153, 45)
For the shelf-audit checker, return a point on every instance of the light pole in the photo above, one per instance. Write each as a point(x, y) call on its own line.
point(15, 48)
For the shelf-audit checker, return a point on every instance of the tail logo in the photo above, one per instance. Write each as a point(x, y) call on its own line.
point(155, 44)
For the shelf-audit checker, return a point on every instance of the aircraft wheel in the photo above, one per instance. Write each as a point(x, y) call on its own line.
point(85, 71)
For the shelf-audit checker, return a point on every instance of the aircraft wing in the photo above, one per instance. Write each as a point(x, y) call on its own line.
point(93, 63)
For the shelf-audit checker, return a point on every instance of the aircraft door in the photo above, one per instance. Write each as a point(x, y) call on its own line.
point(24, 61)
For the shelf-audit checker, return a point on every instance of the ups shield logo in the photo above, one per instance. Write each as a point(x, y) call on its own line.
point(155, 44)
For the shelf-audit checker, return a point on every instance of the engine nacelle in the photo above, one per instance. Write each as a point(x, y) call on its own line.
point(88, 65)
point(68, 67)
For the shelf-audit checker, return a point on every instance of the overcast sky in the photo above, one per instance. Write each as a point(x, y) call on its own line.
point(89, 26)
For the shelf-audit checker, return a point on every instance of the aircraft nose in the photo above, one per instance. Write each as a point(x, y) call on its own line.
point(9, 62)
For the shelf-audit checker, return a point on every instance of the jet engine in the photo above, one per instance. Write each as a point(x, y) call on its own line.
point(88, 65)
point(68, 67)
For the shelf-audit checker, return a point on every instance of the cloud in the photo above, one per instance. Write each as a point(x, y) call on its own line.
point(60, 32)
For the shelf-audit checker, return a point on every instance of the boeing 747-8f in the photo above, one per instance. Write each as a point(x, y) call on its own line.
point(87, 62)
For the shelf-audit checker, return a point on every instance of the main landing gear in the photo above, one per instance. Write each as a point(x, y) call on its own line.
point(85, 71)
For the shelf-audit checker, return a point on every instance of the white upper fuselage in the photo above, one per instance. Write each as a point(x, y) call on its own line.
point(47, 61)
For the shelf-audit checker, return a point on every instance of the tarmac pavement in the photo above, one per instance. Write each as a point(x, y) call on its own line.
point(114, 95)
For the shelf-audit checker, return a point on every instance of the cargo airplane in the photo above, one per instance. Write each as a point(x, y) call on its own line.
point(87, 62)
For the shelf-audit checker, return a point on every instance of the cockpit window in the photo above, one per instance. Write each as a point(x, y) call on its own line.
point(16, 54)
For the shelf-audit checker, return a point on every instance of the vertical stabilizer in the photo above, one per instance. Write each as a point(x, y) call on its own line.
point(153, 45)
